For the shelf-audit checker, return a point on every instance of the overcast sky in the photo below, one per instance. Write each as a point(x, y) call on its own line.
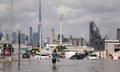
point(77, 15)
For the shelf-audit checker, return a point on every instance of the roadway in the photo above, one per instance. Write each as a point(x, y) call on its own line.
point(63, 66)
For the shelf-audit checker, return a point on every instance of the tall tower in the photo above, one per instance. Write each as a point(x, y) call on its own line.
point(40, 25)
point(11, 22)
point(52, 36)
point(61, 19)
point(91, 33)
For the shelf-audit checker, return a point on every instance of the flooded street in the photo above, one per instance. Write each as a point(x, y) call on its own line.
point(62, 66)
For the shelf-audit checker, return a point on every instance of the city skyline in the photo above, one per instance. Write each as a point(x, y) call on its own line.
point(77, 15)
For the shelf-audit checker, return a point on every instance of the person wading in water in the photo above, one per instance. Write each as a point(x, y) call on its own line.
point(54, 56)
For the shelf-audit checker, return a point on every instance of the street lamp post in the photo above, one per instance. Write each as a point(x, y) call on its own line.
point(40, 23)
point(61, 18)
point(19, 50)
point(10, 24)
point(40, 35)
point(10, 28)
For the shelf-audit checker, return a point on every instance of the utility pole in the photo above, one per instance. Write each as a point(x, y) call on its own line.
point(19, 50)
point(10, 28)
point(61, 19)
point(40, 23)
point(11, 21)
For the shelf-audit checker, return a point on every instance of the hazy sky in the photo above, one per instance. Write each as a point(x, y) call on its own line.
point(77, 15)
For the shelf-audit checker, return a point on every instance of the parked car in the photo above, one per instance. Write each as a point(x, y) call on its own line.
point(78, 56)
point(92, 57)
point(42, 56)
point(26, 55)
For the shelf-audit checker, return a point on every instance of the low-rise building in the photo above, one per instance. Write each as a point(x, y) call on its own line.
point(110, 49)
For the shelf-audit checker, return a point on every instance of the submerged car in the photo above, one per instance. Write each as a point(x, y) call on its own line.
point(78, 56)
point(42, 56)
point(26, 55)
point(92, 57)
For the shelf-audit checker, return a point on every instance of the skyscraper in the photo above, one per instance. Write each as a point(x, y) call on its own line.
point(30, 36)
point(22, 38)
point(95, 39)
point(118, 34)
point(35, 41)
point(14, 35)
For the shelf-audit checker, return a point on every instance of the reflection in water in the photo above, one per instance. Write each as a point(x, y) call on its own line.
point(6, 66)
point(54, 68)
point(2, 69)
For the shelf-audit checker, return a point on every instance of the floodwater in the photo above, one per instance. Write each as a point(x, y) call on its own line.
point(63, 66)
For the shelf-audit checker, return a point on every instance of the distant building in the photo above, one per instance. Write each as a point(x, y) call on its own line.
point(78, 41)
point(95, 39)
point(7, 36)
point(1, 35)
point(52, 36)
point(112, 48)
point(22, 38)
point(118, 34)
point(26, 39)
point(30, 35)
point(58, 38)
point(14, 36)
point(74, 41)
point(35, 39)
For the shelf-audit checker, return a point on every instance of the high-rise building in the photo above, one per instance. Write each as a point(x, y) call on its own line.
point(26, 39)
point(7, 36)
point(30, 36)
point(52, 36)
point(95, 39)
point(118, 34)
point(35, 40)
point(58, 37)
point(1, 35)
point(22, 38)
point(14, 36)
